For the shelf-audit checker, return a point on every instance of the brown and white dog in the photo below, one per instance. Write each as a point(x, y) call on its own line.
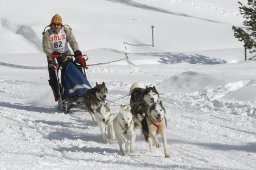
point(156, 124)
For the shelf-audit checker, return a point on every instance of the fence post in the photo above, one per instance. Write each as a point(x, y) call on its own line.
point(153, 43)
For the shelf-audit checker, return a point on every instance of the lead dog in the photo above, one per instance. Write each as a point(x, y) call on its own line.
point(95, 97)
point(141, 99)
point(124, 129)
point(104, 119)
point(156, 123)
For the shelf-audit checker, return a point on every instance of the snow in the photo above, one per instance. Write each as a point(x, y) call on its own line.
point(197, 65)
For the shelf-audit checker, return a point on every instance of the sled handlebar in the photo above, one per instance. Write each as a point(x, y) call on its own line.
point(56, 56)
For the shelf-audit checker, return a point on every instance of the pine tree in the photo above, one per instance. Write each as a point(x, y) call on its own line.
point(247, 34)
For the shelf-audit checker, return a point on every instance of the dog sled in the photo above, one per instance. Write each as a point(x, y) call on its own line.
point(73, 85)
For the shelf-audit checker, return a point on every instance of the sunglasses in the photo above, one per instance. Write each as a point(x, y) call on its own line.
point(56, 24)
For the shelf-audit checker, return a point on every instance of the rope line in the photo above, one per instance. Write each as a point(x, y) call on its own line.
point(22, 66)
point(45, 67)
point(107, 62)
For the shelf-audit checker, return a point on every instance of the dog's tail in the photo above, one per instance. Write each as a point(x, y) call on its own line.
point(134, 86)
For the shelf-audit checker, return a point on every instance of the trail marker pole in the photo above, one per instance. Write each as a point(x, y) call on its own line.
point(153, 43)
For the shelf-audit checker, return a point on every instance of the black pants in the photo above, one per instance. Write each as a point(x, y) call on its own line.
point(53, 81)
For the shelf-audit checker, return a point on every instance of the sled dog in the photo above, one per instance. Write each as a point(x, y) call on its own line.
point(141, 99)
point(94, 97)
point(156, 123)
point(124, 129)
point(104, 119)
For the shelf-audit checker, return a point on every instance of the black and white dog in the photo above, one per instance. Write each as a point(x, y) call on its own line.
point(95, 97)
point(141, 99)
point(149, 114)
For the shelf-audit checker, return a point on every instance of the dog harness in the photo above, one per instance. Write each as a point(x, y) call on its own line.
point(157, 125)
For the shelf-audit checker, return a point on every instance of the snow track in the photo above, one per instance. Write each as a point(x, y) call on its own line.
point(205, 130)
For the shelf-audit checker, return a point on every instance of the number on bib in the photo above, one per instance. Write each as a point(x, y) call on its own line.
point(57, 44)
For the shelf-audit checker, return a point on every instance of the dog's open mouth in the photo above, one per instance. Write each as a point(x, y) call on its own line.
point(103, 98)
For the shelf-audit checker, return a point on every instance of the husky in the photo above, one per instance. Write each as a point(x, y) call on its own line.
point(104, 119)
point(95, 97)
point(124, 129)
point(148, 95)
point(156, 124)
point(141, 99)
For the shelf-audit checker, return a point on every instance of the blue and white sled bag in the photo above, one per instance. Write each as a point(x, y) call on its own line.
point(75, 82)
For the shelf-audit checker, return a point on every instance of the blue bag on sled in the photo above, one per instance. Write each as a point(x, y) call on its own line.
point(75, 82)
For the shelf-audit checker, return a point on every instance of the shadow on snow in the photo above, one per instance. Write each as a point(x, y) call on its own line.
point(170, 58)
point(249, 147)
point(151, 8)
point(174, 58)
point(28, 107)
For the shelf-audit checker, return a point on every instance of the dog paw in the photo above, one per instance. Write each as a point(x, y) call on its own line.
point(133, 149)
point(167, 156)
point(105, 140)
point(122, 153)
point(110, 137)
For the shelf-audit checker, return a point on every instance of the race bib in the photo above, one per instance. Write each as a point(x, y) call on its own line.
point(59, 41)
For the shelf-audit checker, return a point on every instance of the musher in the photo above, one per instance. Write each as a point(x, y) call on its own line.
point(56, 41)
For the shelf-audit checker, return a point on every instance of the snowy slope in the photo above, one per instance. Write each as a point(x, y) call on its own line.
point(196, 65)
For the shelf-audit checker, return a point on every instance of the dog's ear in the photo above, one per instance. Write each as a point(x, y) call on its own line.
point(96, 84)
point(127, 107)
point(103, 83)
point(161, 104)
point(154, 88)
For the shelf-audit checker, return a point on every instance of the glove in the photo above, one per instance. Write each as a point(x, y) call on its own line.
point(56, 54)
point(80, 59)
point(77, 53)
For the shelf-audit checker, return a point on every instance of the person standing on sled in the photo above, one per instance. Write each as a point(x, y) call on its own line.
point(56, 42)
